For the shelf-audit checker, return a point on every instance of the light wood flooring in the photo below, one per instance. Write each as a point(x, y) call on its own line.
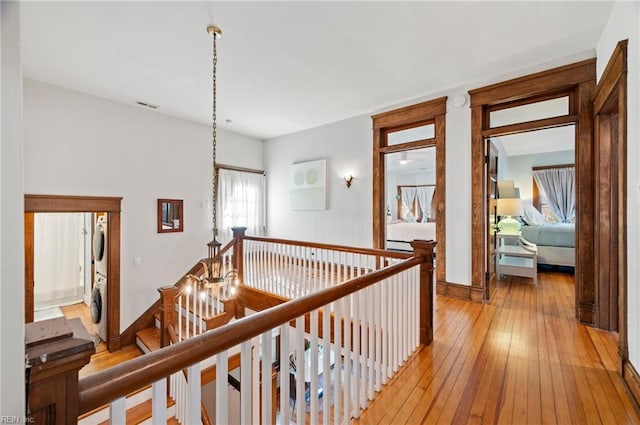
point(522, 359)
point(102, 359)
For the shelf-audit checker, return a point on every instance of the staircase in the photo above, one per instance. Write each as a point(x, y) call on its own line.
point(194, 314)
point(138, 405)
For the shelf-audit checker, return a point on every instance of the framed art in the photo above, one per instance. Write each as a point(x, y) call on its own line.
point(308, 185)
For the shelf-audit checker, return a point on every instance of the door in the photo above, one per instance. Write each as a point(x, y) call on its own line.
point(491, 161)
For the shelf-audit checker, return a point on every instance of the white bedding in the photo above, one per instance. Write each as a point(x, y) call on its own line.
point(399, 234)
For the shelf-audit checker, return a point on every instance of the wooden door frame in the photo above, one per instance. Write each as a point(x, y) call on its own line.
point(611, 95)
point(490, 147)
point(432, 111)
point(578, 80)
point(80, 204)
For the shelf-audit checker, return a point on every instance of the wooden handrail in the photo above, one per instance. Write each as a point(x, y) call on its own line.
point(103, 387)
point(342, 248)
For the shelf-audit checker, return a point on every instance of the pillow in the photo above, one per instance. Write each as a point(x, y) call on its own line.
point(532, 216)
point(409, 218)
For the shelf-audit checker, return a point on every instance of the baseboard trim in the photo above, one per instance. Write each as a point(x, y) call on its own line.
point(632, 381)
point(453, 290)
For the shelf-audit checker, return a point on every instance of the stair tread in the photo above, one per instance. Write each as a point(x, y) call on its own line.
point(150, 337)
point(141, 412)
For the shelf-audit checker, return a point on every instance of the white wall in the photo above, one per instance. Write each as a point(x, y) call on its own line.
point(347, 146)
point(349, 218)
point(520, 168)
point(12, 402)
point(624, 23)
point(503, 160)
point(77, 144)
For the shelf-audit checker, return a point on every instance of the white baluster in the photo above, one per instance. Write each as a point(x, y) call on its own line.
point(255, 381)
point(378, 334)
point(357, 327)
point(266, 377)
point(194, 389)
point(371, 328)
point(180, 318)
point(348, 358)
point(326, 367)
point(159, 402)
point(396, 327)
point(337, 355)
point(118, 411)
point(246, 352)
point(284, 374)
point(300, 371)
point(386, 327)
point(313, 347)
point(186, 312)
point(222, 388)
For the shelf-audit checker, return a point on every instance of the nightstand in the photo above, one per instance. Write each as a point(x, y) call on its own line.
point(516, 256)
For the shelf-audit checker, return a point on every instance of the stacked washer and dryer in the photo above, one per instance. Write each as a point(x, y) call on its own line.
point(99, 292)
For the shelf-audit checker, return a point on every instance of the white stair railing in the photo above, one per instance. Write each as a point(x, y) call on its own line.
point(337, 348)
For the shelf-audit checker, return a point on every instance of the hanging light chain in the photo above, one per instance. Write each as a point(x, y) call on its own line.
point(214, 36)
point(215, 33)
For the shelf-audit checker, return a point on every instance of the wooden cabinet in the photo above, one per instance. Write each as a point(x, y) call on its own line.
point(56, 350)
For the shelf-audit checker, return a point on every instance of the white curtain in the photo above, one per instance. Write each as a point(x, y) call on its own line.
point(408, 196)
point(58, 258)
point(425, 194)
point(559, 186)
point(241, 203)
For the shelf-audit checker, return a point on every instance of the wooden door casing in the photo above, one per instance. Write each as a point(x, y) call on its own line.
point(492, 190)
point(75, 204)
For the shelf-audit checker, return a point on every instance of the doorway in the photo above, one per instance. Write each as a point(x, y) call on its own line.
point(407, 131)
point(84, 205)
point(62, 262)
point(599, 115)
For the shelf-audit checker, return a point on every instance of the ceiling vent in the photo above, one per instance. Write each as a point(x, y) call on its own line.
point(147, 105)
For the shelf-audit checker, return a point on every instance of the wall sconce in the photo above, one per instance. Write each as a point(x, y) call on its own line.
point(348, 178)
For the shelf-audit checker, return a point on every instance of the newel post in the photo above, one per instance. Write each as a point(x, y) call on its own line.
point(424, 249)
point(238, 251)
point(168, 296)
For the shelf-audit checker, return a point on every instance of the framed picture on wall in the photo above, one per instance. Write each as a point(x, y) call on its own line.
point(308, 185)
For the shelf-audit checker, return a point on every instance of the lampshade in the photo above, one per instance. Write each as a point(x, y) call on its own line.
point(510, 207)
point(506, 189)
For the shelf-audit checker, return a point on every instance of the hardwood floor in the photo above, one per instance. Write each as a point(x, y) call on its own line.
point(522, 359)
point(102, 359)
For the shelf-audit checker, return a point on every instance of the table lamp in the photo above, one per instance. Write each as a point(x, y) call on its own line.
point(508, 207)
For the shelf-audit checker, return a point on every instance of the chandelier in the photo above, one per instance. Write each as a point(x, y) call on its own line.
point(213, 277)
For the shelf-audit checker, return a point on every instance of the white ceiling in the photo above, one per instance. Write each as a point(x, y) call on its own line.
point(288, 66)
point(411, 162)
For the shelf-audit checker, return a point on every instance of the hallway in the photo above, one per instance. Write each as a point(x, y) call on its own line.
point(520, 360)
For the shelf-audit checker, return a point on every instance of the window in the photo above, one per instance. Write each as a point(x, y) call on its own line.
point(557, 107)
point(241, 203)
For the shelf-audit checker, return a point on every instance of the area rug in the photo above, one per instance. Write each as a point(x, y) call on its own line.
point(47, 313)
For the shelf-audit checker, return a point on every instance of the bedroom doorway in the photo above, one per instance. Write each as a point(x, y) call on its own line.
point(540, 166)
point(410, 184)
point(598, 113)
point(410, 135)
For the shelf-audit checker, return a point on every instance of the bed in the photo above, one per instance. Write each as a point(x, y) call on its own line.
point(401, 233)
point(556, 243)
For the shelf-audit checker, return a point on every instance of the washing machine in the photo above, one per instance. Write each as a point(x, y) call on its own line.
point(99, 305)
point(100, 253)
